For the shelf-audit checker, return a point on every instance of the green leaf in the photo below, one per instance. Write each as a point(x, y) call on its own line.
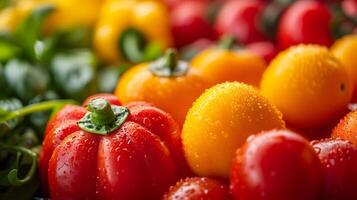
point(76, 37)
point(152, 52)
point(25, 80)
point(8, 50)
point(109, 76)
point(7, 105)
point(74, 74)
point(45, 49)
point(4, 88)
point(5, 3)
point(39, 119)
point(28, 32)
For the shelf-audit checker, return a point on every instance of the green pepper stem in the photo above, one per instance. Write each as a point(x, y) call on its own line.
point(171, 59)
point(132, 44)
point(101, 112)
point(38, 107)
point(13, 174)
point(227, 42)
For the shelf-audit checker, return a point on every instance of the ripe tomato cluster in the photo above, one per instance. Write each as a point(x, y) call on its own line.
point(270, 25)
point(193, 99)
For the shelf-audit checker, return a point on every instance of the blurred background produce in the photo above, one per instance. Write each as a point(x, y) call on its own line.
point(55, 52)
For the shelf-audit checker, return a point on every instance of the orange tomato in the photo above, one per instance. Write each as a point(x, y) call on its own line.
point(345, 50)
point(347, 128)
point(220, 121)
point(220, 65)
point(308, 85)
point(174, 94)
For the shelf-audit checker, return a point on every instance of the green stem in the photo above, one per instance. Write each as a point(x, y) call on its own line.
point(169, 65)
point(101, 112)
point(47, 105)
point(170, 59)
point(132, 44)
point(227, 42)
point(13, 174)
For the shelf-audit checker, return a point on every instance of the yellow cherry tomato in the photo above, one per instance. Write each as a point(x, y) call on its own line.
point(345, 49)
point(220, 121)
point(309, 86)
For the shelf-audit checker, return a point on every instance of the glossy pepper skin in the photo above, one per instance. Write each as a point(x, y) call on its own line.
point(305, 22)
point(149, 18)
point(66, 14)
point(240, 19)
point(173, 92)
point(135, 161)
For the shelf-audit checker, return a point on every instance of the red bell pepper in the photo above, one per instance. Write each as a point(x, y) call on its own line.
point(111, 151)
point(305, 22)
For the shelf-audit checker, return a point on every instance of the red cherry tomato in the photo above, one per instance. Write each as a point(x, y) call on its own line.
point(265, 49)
point(198, 189)
point(339, 163)
point(171, 4)
point(350, 7)
point(240, 19)
point(276, 165)
point(305, 22)
point(189, 23)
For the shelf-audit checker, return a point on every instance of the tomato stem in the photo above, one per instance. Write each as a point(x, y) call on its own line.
point(101, 112)
point(227, 42)
point(38, 107)
point(169, 65)
point(102, 117)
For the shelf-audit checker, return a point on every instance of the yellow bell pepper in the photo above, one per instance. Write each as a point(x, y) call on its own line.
point(125, 29)
point(7, 19)
point(14, 14)
point(68, 13)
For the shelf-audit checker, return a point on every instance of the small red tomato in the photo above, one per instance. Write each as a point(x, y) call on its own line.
point(198, 188)
point(240, 19)
point(305, 22)
point(276, 165)
point(264, 49)
point(172, 4)
point(339, 164)
point(350, 7)
point(189, 23)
